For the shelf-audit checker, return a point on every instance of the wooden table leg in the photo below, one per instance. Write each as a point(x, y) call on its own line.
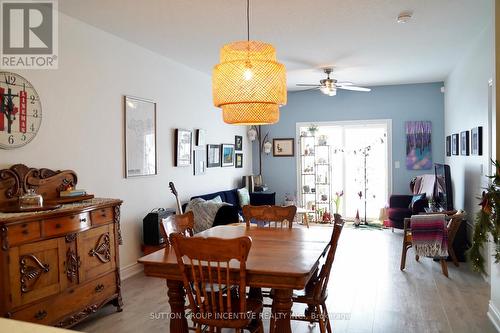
point(306, 219)
point(282, 310)
point(176, 294)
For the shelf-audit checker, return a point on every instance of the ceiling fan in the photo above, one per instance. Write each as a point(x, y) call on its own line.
point(329, 86)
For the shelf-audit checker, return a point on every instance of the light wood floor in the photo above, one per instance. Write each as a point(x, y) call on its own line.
point(368, 293)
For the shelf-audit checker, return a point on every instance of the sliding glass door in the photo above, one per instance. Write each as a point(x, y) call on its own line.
point(346, 159)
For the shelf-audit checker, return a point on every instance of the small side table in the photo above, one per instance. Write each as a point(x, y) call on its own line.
point(304, 212)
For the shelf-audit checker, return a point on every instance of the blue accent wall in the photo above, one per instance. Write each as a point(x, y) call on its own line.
point(399, 102)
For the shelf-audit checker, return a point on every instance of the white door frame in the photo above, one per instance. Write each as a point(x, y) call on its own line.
point(387, 122)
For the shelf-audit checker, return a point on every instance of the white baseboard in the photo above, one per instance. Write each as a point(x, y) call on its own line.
point(130, 270)
point(494, 315)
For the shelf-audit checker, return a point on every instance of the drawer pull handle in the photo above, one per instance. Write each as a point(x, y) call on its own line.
point(58, 225)
point(40, 315)
point(83, 220)
point(25, 232)
point(103, 215)
point(99, 288)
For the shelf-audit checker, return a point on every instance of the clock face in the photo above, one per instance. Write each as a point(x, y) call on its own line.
point(20, 111)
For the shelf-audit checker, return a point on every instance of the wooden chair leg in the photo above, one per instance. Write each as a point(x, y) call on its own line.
point(325, 313)
point(444, 267)
point(403, 257)
point(453, 256)
point(322, 327)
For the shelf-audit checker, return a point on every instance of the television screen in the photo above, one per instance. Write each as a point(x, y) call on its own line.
point(443, 195)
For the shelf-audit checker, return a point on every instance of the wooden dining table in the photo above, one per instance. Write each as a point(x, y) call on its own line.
point(282, 259)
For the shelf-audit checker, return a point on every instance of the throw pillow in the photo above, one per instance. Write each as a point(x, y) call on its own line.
point(217, 199)
point(204, 212)
point(415, 198)
point(243, 197)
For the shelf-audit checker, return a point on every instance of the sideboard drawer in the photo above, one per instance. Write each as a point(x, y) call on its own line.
point(66, 224)
point(90, 294)
point(102, 216)
point(23, 232)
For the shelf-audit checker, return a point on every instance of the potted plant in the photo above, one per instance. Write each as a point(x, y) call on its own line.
point(487, 222)
point(312, 129)
point(336, 201)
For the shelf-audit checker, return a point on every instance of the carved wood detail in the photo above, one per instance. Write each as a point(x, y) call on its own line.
point(102, 249)
point(31, 269)
point(72, 265)
point(70, 237)
point(3, 237)
point(19, 178)
point(116, 219)
point(71, 320)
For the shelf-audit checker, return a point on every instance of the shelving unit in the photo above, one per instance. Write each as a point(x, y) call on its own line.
point(315, 171)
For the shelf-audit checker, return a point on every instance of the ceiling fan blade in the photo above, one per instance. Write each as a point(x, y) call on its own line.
point(345, 83)
point(307, 85)
point(354, 88)
point(297, 91)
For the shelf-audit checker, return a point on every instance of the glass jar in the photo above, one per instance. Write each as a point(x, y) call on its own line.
point(30, 200)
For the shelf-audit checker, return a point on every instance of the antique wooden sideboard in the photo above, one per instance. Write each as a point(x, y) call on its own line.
point(57, 266)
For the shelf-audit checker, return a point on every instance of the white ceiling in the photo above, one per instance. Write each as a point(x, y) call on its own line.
point(360, 38)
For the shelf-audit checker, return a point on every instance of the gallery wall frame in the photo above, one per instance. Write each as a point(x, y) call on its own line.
point(140, 126)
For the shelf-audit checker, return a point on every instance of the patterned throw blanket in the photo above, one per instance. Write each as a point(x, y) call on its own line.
point(429, 235)
point(204, 212)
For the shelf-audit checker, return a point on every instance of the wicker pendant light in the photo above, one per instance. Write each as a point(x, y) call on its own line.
point(248, 84)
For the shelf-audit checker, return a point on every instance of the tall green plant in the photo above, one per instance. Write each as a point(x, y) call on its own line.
point(487, 222)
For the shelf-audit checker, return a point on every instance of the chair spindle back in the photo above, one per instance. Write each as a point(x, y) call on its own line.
point(205, 264)
point(270, 216)
point(180, 223)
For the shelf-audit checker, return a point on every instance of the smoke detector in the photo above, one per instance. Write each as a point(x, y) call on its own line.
point(404, 17)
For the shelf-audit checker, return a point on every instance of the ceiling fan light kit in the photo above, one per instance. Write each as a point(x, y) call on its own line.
point(329, 86)
point(248, 84)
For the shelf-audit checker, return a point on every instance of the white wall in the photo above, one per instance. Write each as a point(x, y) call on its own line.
point(466, 106)
point(82, 126)
point(494, 306)
point(467, 100)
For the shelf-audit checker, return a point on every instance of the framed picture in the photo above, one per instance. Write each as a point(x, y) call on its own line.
point(200, 137)
point(418, 145)
point(140, 137)
point(239, 161)
point(238, 142)
point(199, 161)
point(448, 145)
point(476, 135)
point(283, 147)
point(464, 143)
point(213, 156)
point(227, 155)
point(454, 144)
point(183, 147)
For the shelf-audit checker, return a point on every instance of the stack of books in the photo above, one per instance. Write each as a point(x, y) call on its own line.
point(72, 193)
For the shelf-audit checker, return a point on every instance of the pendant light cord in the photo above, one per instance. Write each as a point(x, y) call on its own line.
point(248, 20)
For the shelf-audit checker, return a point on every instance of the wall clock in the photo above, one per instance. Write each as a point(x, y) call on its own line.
point(20, 111)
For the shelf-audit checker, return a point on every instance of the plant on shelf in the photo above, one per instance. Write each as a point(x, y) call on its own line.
point(312, 129)
point(487, 222)
point(336, 201)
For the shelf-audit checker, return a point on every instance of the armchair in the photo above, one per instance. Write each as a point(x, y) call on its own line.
point(403, 206)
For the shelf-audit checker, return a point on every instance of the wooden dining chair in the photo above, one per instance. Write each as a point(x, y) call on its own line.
point(452, 228)
point(205, 267)
point(316, 291)
point(270, 216)
point(177, 223)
